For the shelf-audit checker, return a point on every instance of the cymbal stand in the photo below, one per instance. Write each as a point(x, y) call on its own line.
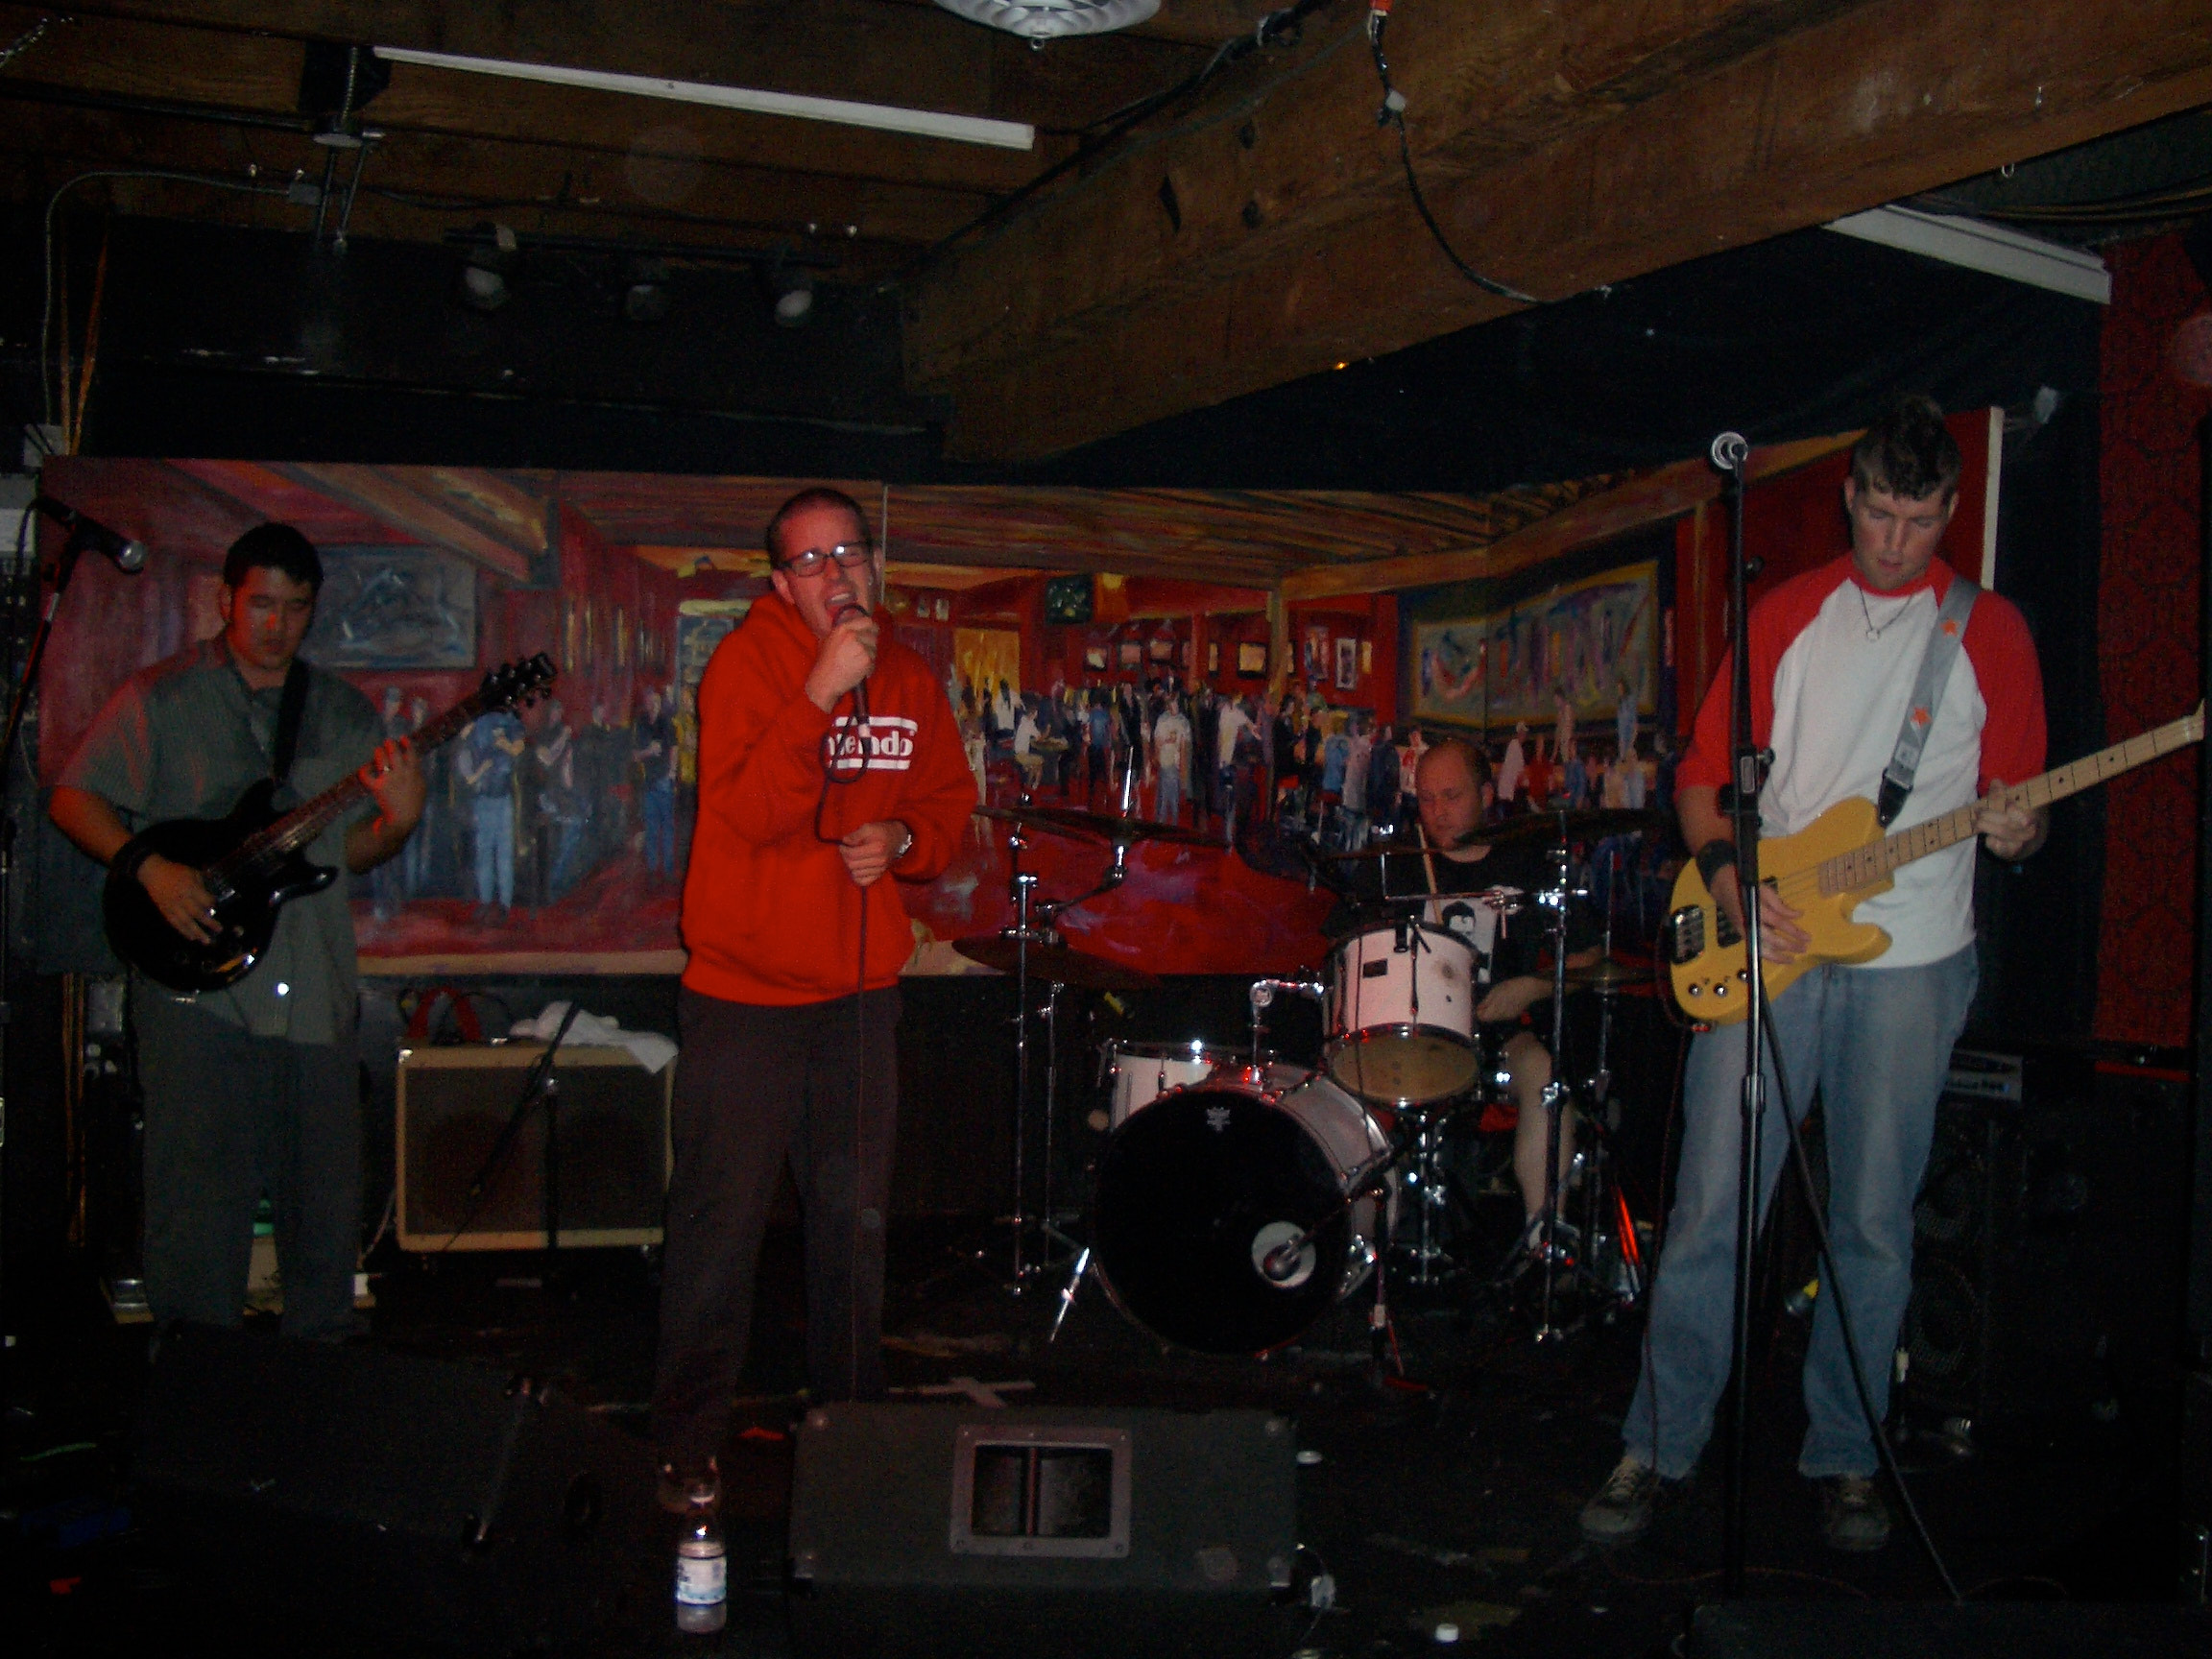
point(1033, 925)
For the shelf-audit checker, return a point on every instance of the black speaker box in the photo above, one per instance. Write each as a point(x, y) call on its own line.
point(927, 1531)
point(2047, 1250)
point(382, 1491)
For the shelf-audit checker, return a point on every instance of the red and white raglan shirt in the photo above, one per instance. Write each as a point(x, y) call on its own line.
point(1829, 700)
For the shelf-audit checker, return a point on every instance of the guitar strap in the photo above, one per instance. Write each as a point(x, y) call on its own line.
point(289, 710)
point(1944, 642)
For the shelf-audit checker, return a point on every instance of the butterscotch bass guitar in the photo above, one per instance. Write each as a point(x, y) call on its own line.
point(255, 861)
point(1840, 860)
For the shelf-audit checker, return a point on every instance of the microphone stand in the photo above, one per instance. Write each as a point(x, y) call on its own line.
point(1747, 768)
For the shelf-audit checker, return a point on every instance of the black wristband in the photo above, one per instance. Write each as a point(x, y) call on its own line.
point(125, 865)
point(1713, 857)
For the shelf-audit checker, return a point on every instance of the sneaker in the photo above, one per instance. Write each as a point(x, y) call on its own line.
point(1622, 1511)
point(1852, 1514)
point(673, 1492)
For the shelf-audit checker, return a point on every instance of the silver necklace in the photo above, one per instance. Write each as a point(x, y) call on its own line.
point(1872, 631)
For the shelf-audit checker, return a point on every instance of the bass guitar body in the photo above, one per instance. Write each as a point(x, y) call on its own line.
point(245, 919)
point(1705, 954)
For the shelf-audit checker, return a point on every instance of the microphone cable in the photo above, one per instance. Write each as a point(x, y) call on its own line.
point(857, 725)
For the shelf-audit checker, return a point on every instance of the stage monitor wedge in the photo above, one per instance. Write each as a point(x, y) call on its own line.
point(936, 1531)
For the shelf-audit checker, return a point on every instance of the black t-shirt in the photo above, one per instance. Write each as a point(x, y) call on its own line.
point(1506, 946)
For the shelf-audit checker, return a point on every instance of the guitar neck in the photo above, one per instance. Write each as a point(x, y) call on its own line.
point(1863, 866)
point(300, 827)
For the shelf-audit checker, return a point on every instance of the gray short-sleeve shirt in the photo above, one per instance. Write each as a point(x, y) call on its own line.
point(184, 738)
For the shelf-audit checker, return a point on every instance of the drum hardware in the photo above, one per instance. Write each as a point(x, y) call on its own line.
point(1034, 945)
point(1261, 997)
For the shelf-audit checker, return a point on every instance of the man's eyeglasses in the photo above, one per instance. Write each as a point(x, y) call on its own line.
point(850, 556)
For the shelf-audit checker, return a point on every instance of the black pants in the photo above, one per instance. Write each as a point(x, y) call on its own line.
point(230, 1116)
point(757, 1085)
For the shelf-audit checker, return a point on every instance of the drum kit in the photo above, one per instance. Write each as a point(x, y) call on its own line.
point(1240, 1196)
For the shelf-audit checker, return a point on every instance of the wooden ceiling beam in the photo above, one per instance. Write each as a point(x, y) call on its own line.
point(393, 497)
point(1655, 498)
point(1935, 90)
point(918, 56)
point(515, 183)
point(658, 147)
point(1270, 163)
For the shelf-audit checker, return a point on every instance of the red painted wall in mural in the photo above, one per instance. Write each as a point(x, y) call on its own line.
point(2150, 595)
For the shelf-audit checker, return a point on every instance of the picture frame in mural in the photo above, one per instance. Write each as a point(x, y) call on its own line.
point(1095, 658)
point(1503, 666)
point(1366, 656)
point(1160, 650)
point(393, 607)
point(1317, 655)
point(1347, 664)
point(1252, 658)
point(1067, 599)
point(1212, 656)
point(1131, 653)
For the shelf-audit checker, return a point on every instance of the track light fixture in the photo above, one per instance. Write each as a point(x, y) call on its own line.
point(1053, 19)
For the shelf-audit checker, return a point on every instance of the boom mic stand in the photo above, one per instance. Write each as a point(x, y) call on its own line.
point(1747, 768)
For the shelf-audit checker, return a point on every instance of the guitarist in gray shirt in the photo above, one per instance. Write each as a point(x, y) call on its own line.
point(252, 1089)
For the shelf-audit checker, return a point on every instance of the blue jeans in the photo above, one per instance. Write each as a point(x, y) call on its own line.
point(658, 805)
point(1169, 806)
point(1876, 1044)
point(495, 825)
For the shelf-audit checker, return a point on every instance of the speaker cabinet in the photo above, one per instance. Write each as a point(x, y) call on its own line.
point(2046, 1248)
point(404, 1495)
point(926, 1530)
point(613, 1162)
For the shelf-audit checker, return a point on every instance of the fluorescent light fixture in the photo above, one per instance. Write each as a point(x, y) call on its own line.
point(1982, 247)
point(883, 117)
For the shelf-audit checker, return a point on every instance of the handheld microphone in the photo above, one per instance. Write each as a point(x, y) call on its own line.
point(1730, 451)
point(128, 553)
point(853, 608)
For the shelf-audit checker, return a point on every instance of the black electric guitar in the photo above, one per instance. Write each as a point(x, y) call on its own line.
point(255, 861)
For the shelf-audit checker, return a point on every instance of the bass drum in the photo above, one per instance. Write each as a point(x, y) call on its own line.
point(1201, 1185)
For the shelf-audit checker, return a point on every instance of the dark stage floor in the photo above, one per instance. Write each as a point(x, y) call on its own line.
point(1449, 1496)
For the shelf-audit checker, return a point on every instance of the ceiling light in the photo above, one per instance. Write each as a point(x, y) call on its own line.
point(794, 292)
point(646, 299)
point(883, 117)
point(1052, 19)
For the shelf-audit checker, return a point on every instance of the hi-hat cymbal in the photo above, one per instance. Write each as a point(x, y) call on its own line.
point(1053, 962)
point(1099, 826)
point(1609, 979)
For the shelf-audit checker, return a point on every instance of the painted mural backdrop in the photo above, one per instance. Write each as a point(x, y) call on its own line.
point(557, 838)
point(1508, 665)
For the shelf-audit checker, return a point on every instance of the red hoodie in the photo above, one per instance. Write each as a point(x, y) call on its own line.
point(769, 913)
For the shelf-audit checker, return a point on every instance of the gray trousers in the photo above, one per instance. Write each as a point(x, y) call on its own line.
point(229, 1117)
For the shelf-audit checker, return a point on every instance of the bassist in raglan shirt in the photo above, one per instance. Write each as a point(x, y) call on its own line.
point(1834, 656)
point(255, 1088)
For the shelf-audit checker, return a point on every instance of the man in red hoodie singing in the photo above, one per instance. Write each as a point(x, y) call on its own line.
point(828, 759)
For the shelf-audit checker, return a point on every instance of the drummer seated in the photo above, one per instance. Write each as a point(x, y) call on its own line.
point(1454, 794)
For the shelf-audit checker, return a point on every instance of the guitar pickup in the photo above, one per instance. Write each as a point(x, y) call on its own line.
point(1725, 931)
point(1686, 935)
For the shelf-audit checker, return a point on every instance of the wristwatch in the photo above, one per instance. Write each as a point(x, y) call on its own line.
point(906, 845)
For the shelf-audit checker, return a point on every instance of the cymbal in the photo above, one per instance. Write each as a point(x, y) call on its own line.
point(1590, 824)
point(1099, 825)
point(1054, 962)
point(1607, 978)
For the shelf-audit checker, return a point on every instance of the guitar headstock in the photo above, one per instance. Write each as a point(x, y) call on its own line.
point(519, 684)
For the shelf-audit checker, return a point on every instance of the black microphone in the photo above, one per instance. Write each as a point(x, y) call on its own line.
point(853, 608)
point(128, 554)
point(1730, 451)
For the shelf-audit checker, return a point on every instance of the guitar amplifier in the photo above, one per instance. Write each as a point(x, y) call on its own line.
point(612, 1146)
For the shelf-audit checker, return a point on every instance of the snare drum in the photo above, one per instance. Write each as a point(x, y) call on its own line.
point(1197, 1189)
point(1399, 1014)
point(1139, 1074)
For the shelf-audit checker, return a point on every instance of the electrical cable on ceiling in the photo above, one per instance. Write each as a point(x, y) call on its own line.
point(1392, 113)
